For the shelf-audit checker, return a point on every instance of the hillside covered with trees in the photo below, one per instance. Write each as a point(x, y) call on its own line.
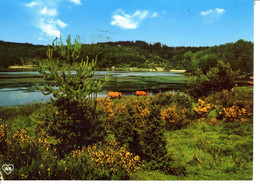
point(142, 55)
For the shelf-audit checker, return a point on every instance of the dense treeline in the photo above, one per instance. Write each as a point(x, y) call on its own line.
point(143, 55)
point(18, 53)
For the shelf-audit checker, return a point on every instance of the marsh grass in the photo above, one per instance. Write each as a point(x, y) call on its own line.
point(214, 152)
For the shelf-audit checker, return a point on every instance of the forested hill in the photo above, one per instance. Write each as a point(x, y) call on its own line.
point(15, 53)
point(143, 55)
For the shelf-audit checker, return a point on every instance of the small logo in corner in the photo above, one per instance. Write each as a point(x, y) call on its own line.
point(8, 168)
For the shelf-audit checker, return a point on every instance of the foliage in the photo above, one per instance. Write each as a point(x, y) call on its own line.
point(69, 52)
point(163, 99)
point(168, 166)
point(3, 139)
point(138, 125)
point(74, 120)
point(232, 105)
point(175, 118)
point(239, 55)
point(116, 159)
point(227, 98)
point(234, 113)
point(79, 87)
point(202, 109)
point(75, 125)
point(216, 79)
point(141, 54)
point(182, 100)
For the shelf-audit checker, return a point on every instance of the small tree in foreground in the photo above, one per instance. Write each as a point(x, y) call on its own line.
point(216, 79)
point(58, 76)
point(73, 119)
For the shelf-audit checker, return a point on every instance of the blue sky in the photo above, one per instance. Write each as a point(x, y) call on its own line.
point(171, 22)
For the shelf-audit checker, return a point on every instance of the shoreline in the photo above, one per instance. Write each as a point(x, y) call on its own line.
point(126, 69)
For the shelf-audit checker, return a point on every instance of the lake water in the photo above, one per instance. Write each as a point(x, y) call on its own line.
point(17, 88)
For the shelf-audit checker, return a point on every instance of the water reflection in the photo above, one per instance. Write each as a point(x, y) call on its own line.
point(125, 82)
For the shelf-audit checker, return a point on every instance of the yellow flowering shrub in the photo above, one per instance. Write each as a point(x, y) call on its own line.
point(22, 139)
point(29, 147)
point(3, 138)
point(112, 156)
point(137, 109)
point(173, 116)
point(202, 109)
point(213, 121)
point(106, 105)
point(236, 113)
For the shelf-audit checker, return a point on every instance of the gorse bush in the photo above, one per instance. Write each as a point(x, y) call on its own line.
point(234, 113)
point(74, 126)
point(175, 118)
point(22, 145)
point(232, 105)
point(138, 125)
point(118, 162)
point(107, 111)
point(3, 139)
point(97, 162)
point(202, 109)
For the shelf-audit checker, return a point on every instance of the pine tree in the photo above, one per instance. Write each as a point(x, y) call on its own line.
point(58, 76)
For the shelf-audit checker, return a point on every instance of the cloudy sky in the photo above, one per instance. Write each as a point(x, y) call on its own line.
point(171, 22)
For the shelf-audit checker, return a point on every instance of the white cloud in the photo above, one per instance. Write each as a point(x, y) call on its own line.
point(49, 28)
point(32, 4)
point(155, 14)
point(46, 16)
point(217, 11)
point(61, 24)
point(126, 21)
point(49, 12)
point(75, 1)
point(206, 12)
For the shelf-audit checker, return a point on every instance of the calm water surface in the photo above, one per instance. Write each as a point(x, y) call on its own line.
point(24, 92)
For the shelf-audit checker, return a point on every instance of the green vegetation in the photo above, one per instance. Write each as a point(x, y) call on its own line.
point(73, 103)
point(142, 55)
point(215, 147)
point(216, 79)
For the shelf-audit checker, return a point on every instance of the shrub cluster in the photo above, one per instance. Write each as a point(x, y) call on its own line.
point(225, 105)
point(114, 158)
point(73, 123)
point(175, 118)
point(138, 125)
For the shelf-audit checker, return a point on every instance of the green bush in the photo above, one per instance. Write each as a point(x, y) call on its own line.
point(139, 126)
point(182, 100)
point(73, 123)
point(216, 79)
point(163, 99)
point(174, 118)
